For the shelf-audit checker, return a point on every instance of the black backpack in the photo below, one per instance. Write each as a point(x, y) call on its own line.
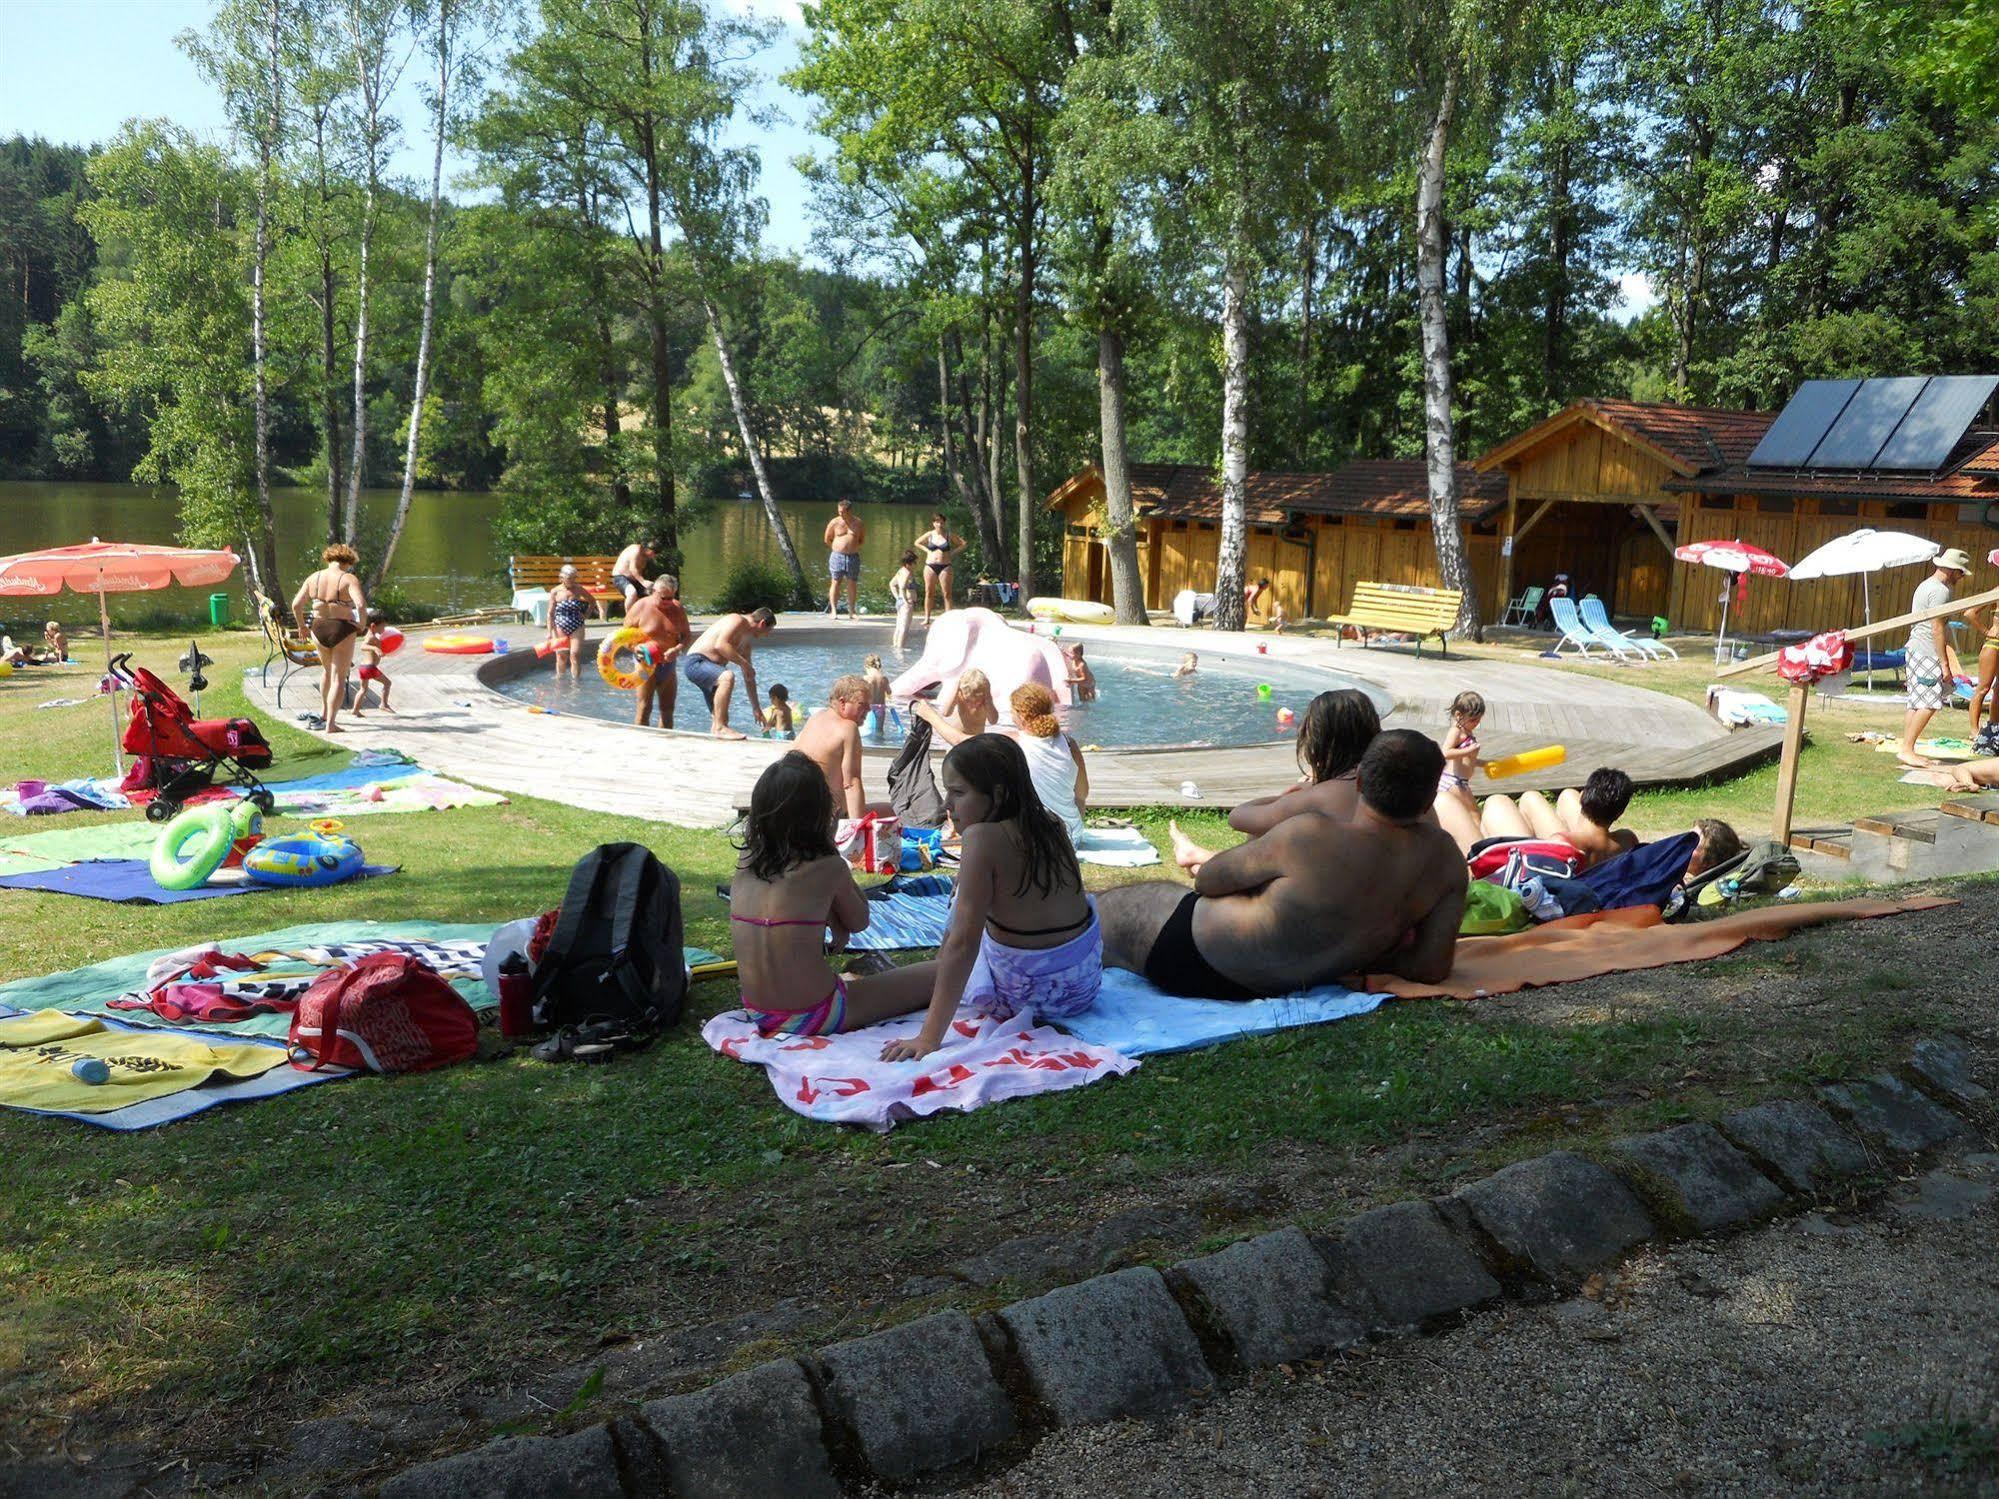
point(615, 955)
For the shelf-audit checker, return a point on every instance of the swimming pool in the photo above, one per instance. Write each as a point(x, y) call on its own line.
point(1140, 701)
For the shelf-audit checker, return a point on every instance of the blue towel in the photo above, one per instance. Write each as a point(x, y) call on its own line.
point(1133, 1017)
point(1646, 876)
point(131, 882)
point(906, 913)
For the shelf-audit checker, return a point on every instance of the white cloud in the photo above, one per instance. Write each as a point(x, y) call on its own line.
point(1634, 296)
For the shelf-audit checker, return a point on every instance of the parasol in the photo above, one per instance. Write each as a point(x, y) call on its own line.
point(1864, 551)
point(103, 567)
point(1731, 557)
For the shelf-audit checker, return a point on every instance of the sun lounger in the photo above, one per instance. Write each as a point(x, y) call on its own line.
point(1574, 632)
point(1596, 619)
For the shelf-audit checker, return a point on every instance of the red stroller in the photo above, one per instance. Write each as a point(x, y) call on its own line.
point(186, 753)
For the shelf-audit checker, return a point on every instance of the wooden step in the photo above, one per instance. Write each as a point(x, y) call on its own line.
point(1834, 843)
point(1979, 809)
point(1914, 827)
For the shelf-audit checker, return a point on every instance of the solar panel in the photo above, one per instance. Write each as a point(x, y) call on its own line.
point(1867, 423)
point(1801, 424)
point(1947, 406)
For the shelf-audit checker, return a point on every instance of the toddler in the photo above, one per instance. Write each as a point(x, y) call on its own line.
point(1189, 664)
point(777, 715)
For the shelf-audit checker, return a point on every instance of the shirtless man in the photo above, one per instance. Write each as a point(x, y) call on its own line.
point(727, 642)
point(1586, 818)
point(831, 740)
point(963, 709)
point(658, 615)
point(628, 573)
point(1310, 901)
point(844, 536)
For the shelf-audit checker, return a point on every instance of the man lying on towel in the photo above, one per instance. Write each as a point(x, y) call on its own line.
point(1311, 900)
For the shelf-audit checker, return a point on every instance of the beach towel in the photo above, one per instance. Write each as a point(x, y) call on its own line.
point(843, 1080)
point(1116, 848)
point(38, 1052)
point(905, 913)
point(362, 793)
point(52, 850)
point(131, 882)
point(1135, 1018)
point(1584, 947)
point(1644, 876)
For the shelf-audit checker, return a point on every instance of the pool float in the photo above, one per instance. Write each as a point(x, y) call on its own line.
point(1526, 760)
point(303, 859)
point(1074, 611)
point(391, 640)
point(193, 846)
point(967, 638)
point(460, 645)
point(625, 642)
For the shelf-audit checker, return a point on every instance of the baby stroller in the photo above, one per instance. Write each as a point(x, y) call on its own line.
point(186, 752)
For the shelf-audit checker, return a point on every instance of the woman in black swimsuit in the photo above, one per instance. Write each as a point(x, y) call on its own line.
point(338, 606)
point(939, 546)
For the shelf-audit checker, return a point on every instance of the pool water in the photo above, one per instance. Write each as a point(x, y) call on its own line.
point(1140, 701)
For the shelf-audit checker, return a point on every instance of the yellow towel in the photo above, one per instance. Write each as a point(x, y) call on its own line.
point(37, 1052)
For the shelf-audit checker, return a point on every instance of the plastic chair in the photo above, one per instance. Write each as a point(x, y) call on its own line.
point(1574, 632)
point(1523, 609)
point(1596, 619)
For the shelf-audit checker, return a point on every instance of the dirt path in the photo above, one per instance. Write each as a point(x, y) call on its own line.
point(1819, 1356)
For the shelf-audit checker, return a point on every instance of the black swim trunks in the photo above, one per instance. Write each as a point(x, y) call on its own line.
point(329, 630)
point(1175, 964)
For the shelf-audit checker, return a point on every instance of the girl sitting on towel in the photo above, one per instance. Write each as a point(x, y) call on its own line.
point(1023, 935)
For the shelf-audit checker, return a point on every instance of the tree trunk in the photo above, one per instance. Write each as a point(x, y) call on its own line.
point(1023, 382)
point(754, 452)
point(422, 386)
point(662, 357)
point(329, 355)
point(1120, 535)
point(368, 78)
point(1440, 447)
point(264, 553)
point(978, 490)
point(1232, 559)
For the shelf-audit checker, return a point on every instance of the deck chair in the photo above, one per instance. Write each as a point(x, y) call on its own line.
point(282, 642)
point(1596, 619)
point(1523, 609)
point(1574, 632)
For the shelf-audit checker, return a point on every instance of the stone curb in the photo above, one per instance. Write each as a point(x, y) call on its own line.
point(948, 1393)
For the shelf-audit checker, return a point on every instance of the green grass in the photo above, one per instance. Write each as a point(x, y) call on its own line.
point(433, 1232)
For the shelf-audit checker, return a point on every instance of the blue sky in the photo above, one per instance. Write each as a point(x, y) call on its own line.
point(75, 70)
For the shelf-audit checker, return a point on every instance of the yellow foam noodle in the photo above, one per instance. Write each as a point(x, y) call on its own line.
point(37, 1052)
point(1526, 760)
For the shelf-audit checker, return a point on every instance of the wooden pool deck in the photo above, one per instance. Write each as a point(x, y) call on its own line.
point(449, 720)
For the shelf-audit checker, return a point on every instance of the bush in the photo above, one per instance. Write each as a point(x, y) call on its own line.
point(752, 584)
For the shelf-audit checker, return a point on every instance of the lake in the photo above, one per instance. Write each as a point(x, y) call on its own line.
point(446, 557)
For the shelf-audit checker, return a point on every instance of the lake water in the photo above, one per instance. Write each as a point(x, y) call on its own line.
point(446, 557)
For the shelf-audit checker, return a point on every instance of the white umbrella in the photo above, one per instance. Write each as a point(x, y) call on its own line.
point(1865, 551)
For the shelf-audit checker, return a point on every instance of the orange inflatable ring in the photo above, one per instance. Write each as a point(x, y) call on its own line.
point(627, 641)
point(460, 645)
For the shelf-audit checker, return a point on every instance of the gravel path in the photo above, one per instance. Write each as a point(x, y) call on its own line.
point(1819, 1356)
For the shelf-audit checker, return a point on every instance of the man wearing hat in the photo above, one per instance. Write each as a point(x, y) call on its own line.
point(1932, 667)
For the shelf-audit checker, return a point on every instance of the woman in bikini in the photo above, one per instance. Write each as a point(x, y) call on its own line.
point(1984, 703)
point(338, 607)
point(939, 547)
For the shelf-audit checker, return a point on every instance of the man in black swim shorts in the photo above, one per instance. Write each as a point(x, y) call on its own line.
point(1312, 900)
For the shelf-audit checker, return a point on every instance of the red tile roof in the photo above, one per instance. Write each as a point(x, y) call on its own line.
point(1396, 488)
point(1705, 437)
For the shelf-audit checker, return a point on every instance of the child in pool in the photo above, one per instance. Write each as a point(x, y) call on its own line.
point(905, 606)
point(1082, 681)
point(1189, 664)
point(368, 652)
point(877, 680)
point(1023, 935)
point(778, 722)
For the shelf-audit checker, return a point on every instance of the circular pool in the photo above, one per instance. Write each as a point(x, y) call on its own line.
point(1140, 702)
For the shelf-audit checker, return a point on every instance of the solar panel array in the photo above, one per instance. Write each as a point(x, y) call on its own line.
point(1905, 422)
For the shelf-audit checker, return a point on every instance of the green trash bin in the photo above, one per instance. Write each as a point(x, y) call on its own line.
point(218, 610)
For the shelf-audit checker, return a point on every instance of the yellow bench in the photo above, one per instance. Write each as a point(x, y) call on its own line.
point(1402, 609)
point(593, 576)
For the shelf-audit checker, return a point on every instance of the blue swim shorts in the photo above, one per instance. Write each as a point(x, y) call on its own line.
point(843, 565)
point(704, 674)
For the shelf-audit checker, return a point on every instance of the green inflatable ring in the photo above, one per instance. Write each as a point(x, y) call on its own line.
point(193, 846)
point(246, 819)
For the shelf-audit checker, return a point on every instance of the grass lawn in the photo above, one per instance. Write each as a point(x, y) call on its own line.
point(438, 1235)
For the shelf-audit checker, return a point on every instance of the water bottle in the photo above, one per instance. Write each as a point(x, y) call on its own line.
point(516, 998)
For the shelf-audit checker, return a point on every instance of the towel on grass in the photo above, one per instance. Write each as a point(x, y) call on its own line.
point(1134, 1017)
point(906, 913)
point(843, 1080)
point(1116, 848)
point(1584, 947)
point(52, 850)
point(361, 793)
point(37, 1053)
point(131, 882)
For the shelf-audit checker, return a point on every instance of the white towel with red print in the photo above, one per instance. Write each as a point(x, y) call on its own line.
point(843, 1080)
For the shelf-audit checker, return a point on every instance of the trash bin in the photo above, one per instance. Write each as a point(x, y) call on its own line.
point(218, 610)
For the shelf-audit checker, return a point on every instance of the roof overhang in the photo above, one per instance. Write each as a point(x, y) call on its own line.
point(1577, 414)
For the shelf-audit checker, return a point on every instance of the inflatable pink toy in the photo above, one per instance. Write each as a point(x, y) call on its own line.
point(967, 638)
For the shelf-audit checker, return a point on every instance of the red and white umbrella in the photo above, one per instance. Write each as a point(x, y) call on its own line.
point(1732, 557)
point(103, 567)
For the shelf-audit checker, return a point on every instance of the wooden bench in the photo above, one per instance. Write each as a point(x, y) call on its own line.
point(593, 576)
point(1402, 609)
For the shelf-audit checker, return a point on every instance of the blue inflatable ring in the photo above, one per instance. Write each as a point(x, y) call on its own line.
point(193, 846)
point(303, 859)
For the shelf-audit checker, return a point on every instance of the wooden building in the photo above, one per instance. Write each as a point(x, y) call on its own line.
point(1602, 490)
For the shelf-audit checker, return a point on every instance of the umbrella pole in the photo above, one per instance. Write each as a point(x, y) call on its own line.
point(1721, 641)
point(1867, 618)
point(104, 624)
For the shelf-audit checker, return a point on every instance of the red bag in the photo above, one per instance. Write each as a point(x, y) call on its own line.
point(388, 1012)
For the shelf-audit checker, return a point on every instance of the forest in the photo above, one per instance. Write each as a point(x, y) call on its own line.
point(1247, 234)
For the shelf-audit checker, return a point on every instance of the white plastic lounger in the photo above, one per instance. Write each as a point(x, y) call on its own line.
point(1596, 619)
point(1577, 634)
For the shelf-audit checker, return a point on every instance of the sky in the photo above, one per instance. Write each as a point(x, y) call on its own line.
point(75, 70)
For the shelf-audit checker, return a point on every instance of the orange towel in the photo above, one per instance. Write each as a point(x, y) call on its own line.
point(1583, 947)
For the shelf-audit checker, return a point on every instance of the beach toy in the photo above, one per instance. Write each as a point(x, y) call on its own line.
point(303, 859)
point(1189, 789)
point(1526, 760)
point(1285, 718)
point(246, 819)
point(1263, 692)
point(392, 640)
point(193, 846)
point(455, 644)
point(6, 668)
point(1075, 611)
point(1262, 648)
point(326, 827)
point(625, 642)
point(501, 646)
point(90, 1070)
point(537, 708)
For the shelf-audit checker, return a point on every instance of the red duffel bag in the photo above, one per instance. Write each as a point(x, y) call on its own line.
point(387, 1012)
